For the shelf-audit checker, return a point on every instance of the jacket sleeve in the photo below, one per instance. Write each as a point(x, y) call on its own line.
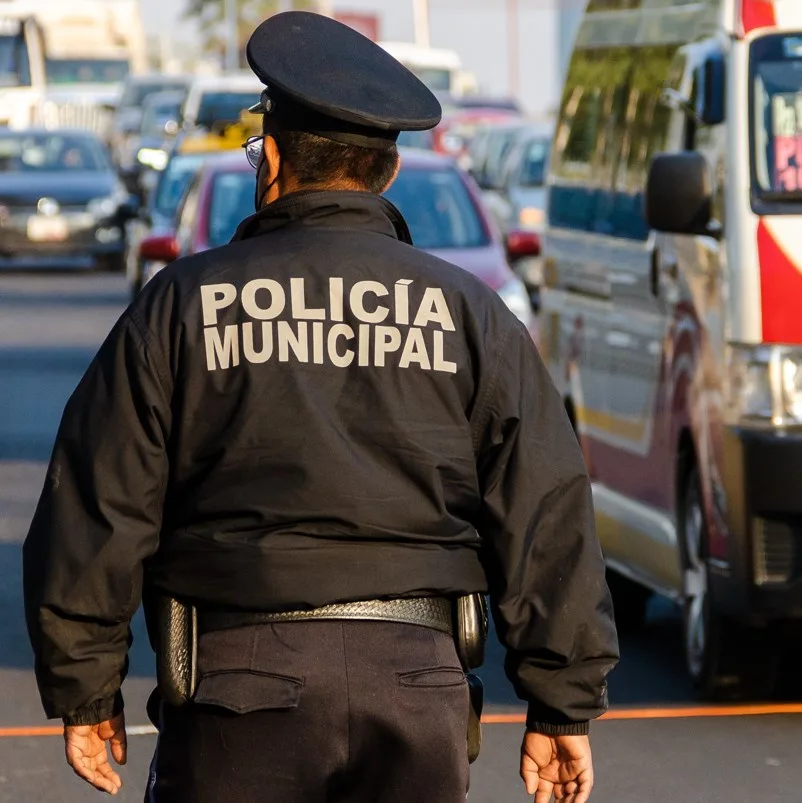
point(548, 593)
point(97, 520)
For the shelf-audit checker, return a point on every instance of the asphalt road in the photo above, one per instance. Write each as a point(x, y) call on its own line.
point(50, 325)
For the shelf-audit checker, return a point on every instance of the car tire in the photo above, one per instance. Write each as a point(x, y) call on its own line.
point(630, 602)
point(725, 659)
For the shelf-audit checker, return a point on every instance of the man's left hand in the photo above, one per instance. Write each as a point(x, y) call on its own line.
point(85, 747)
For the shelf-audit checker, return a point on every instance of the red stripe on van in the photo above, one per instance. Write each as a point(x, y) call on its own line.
point(757, 14)
point(780, 291)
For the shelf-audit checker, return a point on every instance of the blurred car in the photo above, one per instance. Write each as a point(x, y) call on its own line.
point(440, 203)
point(457, 130)
point(490, 147)
point(151, 146)
point(446, 216)
point(127, 120)
point(519, 203)
point(220, 100)
point(159, 215)
point(219, 198)
point(62, 203)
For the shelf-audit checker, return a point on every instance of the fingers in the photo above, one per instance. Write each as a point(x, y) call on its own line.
point(531, 779)
point(545, 790)
point(100, 775)
point(119, 746)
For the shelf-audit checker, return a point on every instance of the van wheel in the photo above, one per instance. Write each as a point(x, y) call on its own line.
point(630, 602)
point(725, 660)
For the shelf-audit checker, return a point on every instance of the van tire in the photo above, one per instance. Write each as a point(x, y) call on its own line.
point(630, 602)
point(726, 660)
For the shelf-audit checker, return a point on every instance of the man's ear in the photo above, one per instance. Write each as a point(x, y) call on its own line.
point(272, 159)
point(394, 176)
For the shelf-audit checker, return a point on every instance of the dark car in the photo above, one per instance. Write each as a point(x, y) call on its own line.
point(62, 203)
point(439, 201)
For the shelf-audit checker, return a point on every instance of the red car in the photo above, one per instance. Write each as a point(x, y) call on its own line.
point(441, 204)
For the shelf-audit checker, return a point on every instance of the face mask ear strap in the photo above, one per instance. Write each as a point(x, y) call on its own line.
point(258, 196)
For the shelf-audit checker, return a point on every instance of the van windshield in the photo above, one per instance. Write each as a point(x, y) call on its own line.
point(776, 97)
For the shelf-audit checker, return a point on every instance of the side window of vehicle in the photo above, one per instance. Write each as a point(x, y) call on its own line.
point(645, 134)
point(588, 138)
point(709, 141)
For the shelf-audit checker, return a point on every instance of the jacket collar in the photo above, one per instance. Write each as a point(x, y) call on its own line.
point(327, 209)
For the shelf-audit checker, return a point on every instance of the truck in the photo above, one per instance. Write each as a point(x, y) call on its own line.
point(64, 62)
point(439, 68)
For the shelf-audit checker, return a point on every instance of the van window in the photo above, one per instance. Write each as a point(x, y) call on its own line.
point(645, 134)
point(588, 137)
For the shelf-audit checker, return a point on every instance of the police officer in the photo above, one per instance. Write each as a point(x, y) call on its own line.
point(319, 437)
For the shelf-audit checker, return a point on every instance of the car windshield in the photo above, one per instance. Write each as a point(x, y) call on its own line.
point(232, 202)
point(533, 169)
point(86, 71)
point(438, 208)
point(136, 92)
point(174, 182)
point(776, 67)
point(38, 153)
point(438, 80)
point(224, 107)
point(498, 148)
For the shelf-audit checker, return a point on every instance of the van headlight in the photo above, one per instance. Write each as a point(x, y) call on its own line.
point(764, 385)
point(515, 295)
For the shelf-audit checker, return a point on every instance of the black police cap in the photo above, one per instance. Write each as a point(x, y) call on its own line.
point(325, 78)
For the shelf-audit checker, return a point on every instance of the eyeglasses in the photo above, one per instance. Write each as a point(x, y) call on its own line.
point(254, 147)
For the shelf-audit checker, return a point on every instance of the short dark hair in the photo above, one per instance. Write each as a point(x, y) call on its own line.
point(317, 161)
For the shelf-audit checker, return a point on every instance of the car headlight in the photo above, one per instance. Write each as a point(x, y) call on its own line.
point(764, 385)
point(516, 297)
point(105, 207)
point(155, 158)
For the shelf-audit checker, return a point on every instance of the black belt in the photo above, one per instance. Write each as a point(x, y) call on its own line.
point(433, 612)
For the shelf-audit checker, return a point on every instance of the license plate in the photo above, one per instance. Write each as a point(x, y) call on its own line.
point(43, 229)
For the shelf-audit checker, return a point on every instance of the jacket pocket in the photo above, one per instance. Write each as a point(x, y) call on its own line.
point(244, 692)
point(432, 678)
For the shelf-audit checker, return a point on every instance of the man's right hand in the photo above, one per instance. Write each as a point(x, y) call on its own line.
point(557, 765)
point(85, 747)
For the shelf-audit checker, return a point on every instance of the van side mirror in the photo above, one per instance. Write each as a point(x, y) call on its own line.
point(712, 91)
point(679, 194)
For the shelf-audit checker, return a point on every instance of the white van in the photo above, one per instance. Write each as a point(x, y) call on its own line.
point(672, 315)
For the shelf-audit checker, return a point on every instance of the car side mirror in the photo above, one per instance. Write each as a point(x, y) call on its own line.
point(521, 244)
point(679, 194)
point(159, 248)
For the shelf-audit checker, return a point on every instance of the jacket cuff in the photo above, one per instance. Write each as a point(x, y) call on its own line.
point(96, 712)
point(538, 719)
point(547, 729)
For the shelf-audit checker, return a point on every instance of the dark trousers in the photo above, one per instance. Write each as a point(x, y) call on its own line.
point(318, 712)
